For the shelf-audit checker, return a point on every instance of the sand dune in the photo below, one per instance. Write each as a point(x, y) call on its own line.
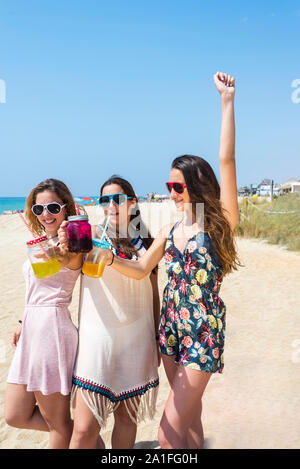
point(255, 402)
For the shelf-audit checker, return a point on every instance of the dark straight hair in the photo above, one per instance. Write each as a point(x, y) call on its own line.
point(138, 229)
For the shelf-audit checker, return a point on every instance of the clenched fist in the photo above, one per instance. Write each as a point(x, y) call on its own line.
point(225, 84)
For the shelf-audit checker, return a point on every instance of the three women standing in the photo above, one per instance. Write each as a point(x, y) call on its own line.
point(116, 367)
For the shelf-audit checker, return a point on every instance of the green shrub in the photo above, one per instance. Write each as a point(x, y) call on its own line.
point(260, 218)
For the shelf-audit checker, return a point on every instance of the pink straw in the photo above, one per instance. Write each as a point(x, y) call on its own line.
point(34, 235)
point(21, 216)
point(77, 209)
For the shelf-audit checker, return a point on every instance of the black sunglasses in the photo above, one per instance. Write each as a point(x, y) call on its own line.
point(54, 208)
point(118, 199)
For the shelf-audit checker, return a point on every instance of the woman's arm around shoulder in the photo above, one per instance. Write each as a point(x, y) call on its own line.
point(142, 267)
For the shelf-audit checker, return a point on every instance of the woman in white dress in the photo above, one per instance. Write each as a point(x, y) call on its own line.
point(117, 362)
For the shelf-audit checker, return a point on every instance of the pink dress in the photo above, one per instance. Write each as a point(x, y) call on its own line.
point(46, 351)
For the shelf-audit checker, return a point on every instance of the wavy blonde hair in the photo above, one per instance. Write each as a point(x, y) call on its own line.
point(62, 192)
point(203, 187)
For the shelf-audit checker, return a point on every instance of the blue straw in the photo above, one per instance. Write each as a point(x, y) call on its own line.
point(103, 233)
point(105, 228)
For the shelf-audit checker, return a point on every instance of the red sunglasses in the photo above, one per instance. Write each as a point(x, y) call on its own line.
point(177, 186)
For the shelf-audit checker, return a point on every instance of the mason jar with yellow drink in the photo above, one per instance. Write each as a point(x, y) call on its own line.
point(42, 257)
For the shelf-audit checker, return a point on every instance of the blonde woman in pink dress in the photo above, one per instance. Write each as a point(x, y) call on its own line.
point(40, 377)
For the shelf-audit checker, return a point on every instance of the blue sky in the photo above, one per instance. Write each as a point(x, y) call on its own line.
point(95, 88)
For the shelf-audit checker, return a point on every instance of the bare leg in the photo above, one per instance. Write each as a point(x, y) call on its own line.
point(181, 426)
point(21, 410)
point(124, 432)
point(195, 435)
point(86, 427)
point(55, 409)
point(170, 367)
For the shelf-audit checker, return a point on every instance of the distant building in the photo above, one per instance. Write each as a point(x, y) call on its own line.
point(265, 188)
point(290, 185)
point(253, 189)
point(243, 191)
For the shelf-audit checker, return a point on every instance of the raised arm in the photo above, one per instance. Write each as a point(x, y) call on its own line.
point(225, 84)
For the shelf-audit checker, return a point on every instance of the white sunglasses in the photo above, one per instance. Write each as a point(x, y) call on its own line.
point(54, 208)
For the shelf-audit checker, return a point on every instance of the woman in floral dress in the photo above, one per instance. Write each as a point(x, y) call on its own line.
point(198, 251)
point(192, 322)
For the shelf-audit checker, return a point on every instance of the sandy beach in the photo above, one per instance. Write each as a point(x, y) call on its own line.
point(255, 402)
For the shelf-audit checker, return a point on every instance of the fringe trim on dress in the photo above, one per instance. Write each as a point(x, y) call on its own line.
point(138, 407)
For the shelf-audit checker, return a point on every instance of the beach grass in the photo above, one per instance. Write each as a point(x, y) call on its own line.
point(278, 221)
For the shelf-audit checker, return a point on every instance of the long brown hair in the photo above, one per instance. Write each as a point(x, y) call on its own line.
point(203, 187)
point(62, 192)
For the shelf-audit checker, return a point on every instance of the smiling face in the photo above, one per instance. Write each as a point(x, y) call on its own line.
point(50, 222)
point(179, 199)
point(119, 214)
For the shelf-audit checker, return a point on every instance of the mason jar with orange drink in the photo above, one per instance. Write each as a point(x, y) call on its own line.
point(95, 260)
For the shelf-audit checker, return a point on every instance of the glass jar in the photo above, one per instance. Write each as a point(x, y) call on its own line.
point(79, 234)
point(95, 260)
point(42, 257)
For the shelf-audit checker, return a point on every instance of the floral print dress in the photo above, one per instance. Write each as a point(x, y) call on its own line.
point(192, 321)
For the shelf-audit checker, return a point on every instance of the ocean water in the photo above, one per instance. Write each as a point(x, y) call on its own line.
point(12, 203)
point(18, 203)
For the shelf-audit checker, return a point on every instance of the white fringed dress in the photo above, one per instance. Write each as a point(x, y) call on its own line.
point(117, 355)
